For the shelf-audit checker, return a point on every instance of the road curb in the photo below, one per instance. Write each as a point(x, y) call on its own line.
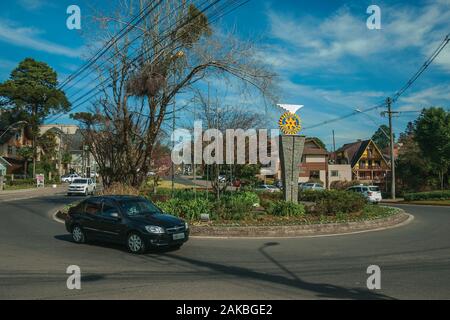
point(303, 231)
point(295, 231)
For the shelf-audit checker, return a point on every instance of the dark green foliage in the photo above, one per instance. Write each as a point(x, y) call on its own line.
point(333, 201)
point(381, 140)
point(433, 195)
point(286, 209)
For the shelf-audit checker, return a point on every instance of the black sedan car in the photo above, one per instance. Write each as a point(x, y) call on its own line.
point(130, 220)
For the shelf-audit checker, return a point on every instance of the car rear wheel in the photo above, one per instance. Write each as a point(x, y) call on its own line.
point(78, 234)
point(135, 243)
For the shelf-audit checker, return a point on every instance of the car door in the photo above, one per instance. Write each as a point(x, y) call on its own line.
point(110, 222)
point(91, 217)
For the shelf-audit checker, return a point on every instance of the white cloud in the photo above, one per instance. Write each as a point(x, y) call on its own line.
point(31, 5)
point(30, 37)
point(313, 41)
point(435, 96)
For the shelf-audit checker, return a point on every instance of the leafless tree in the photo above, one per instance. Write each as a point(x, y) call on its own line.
point(175, 50)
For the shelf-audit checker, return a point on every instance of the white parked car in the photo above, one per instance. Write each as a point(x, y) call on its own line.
point(82, 186)
point(371, 193)
point(267, 188)
point(312, 186)
point(70, 177)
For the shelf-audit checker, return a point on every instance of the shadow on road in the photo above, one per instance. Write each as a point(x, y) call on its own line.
point(114, 246)
point(322, 290)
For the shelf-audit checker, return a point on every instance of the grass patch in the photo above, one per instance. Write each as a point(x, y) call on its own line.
point(430, 202)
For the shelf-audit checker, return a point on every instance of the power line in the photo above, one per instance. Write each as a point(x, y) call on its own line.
point(92, 93)
point(399, 93)
point(96, 90)
point(127, 28)
point(422, 69)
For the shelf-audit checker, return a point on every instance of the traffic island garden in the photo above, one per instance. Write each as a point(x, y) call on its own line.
point(441, 198)
point(248, 213)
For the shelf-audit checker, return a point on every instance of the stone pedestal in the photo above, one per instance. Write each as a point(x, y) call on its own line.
point(291, 152)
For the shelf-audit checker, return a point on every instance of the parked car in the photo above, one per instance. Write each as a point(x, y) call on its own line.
point(82, 186)
point(133, 221)
point(313, 186)
point(267, 188)
point(371, 193)
point(70, 177)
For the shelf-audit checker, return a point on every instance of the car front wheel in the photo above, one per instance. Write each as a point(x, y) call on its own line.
point(135, 243)
point(78, 234)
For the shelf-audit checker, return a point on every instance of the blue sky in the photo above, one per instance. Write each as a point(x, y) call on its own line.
point(325, 56)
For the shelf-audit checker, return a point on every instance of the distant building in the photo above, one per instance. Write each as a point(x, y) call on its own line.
point(367, 162)
point(339, 172)
point(315, 166)
point(10, 144)
point(314, 162)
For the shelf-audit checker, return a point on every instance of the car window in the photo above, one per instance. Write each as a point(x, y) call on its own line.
point(80, 181)
point(376, 189)
point(93, 207)
point(79, 208)
point(137, 207)
point(109, 207)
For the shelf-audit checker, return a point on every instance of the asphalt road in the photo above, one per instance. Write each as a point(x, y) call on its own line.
point(35, 252)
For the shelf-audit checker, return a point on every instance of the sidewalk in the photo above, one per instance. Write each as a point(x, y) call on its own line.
point(12, 195)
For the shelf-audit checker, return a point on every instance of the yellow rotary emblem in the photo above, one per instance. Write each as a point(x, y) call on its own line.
point(290, 123)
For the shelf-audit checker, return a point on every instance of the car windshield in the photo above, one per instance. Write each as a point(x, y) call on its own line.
point(376, 189)
point(80, 181)
point(138, 207)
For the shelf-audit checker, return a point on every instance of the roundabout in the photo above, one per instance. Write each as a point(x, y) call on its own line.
point(36, 250)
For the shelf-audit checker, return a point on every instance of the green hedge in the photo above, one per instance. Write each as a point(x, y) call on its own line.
point(286, 209)
point(333, 201)
point(188, 205)
point(187, 209)
point(432, 195)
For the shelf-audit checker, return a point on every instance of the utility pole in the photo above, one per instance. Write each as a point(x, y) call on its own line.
point(391, 134)
point(334, 147)
point(173, 147)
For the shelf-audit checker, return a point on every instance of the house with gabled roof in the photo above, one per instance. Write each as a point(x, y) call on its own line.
point(366, 160)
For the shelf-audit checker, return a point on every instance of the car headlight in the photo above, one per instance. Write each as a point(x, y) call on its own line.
point(154, 229)
point(186, 226)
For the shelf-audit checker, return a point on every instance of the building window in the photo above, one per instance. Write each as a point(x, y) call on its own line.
point(334, 173)
point(314, 174)
point(10, 150)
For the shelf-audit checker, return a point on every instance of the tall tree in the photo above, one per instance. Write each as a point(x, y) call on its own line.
point(33, 88)
point(432, 133)
point(381, 137)
point(413, 169)
point(176, 50)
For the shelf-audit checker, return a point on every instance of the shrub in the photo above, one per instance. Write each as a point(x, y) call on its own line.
point(311, 195)
point(432, 195)
point(122, 189)
point(234, 206)
point(333, 201)
point(190, 210)
point(286, 209)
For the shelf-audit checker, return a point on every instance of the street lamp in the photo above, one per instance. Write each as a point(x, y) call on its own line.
point(11, 126)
